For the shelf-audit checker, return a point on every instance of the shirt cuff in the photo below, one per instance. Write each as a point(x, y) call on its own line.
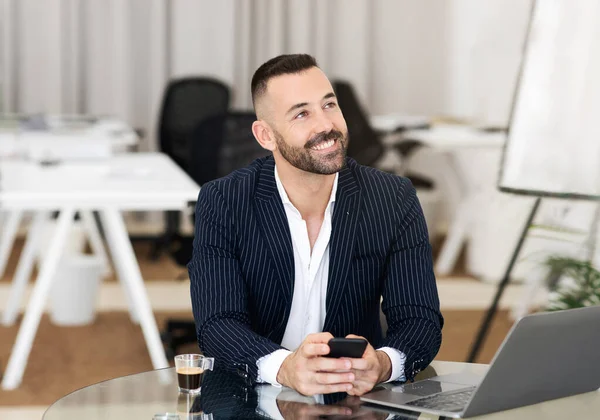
point(268, 366)
point(398, 359)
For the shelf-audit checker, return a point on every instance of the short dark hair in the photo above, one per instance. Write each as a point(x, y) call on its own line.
point(282, 64)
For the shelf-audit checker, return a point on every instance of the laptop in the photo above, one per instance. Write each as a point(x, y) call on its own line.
point(545, 356)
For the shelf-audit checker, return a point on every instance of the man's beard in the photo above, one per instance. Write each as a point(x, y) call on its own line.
point(309, 160)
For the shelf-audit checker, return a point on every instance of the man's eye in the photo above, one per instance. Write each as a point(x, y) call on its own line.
point(301, 114)
point(330, 105)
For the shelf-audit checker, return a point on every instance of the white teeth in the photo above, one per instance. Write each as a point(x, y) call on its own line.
point(324, 145)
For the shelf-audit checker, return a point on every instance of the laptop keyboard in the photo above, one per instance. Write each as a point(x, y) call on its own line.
point(453, 401)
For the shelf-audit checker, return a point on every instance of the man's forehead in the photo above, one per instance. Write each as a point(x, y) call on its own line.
point(307, 86)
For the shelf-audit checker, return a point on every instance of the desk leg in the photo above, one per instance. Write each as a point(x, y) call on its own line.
point(91, 229)
point(37, 302)
point(461, 220)
point(9, 232)
point(129, 272)
point(24, 268)
point(130, 305)
point(457, 235)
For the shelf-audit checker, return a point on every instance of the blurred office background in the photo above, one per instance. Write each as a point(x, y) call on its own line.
point(450, 66)
point(457, 59)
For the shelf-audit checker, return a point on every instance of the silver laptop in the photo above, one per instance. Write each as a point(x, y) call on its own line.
point(545, 356)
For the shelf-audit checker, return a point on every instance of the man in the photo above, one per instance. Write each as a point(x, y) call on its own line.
point(300, 247)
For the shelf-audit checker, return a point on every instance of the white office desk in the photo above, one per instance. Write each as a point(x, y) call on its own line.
point(450, 140)
point(67, 137)
point(448, 137)
point(135, 181)
point(389, 123)
point(141, 182)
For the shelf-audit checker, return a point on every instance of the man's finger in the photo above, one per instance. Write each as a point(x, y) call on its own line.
point(323, 337)
point(360, 387)
point(329, 389)
point(314, 349)
point(330, 364)
point(360, 364)
point(334, 378)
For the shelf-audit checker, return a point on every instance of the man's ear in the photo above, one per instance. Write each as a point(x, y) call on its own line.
point(263, 135)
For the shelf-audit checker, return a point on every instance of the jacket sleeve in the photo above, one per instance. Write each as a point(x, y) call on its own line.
point(218, 291)
point(410, 298)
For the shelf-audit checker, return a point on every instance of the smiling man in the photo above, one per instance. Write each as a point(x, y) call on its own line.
point(302, 246)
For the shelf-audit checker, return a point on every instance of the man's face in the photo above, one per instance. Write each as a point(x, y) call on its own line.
point(309, 128)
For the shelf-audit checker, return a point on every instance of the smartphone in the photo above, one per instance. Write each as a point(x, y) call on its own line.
point(347, 347)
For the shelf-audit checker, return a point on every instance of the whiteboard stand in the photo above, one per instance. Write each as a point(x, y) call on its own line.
point(489, 316)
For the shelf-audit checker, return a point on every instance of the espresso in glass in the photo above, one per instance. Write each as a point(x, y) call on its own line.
point(190, 368)
point(189, 377)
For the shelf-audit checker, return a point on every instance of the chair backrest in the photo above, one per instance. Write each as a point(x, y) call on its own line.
point(364, 145)
point(223, 143)
point(186, 103)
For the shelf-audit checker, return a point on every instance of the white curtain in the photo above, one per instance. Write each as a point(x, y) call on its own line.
point(85, 56)
point(115, 56)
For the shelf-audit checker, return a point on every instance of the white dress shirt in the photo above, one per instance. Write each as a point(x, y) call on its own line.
point(307, 314)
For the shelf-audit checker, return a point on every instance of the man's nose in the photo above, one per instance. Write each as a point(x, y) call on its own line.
point(323, 123)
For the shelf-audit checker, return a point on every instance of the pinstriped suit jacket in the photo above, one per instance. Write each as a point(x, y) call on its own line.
point(242, 269)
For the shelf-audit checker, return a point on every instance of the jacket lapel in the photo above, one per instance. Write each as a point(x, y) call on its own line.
point(275, 228)
point(345, 216)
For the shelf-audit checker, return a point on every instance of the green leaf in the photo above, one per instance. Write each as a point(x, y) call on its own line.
point(586, 290)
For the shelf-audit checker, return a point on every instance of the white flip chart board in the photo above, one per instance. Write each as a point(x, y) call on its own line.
point(553, 145)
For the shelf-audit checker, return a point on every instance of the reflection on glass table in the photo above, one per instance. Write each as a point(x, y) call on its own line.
point(224, 395)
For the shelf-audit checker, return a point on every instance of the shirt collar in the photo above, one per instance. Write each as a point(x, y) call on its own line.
point(286, 199)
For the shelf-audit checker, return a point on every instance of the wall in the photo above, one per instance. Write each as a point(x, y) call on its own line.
point(456, 57)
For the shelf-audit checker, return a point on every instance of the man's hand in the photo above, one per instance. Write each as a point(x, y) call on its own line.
point(361, 412)
point(350, 409)
point(309, 373)
point(372, 368)
point(292, 410)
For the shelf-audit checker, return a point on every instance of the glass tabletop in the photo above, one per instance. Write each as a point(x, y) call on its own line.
point(154, 395)
point(224, 395)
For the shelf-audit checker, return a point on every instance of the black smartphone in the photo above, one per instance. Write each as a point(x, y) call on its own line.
point(347, 347)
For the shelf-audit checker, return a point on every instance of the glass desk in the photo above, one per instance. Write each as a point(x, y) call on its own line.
point(226, 396)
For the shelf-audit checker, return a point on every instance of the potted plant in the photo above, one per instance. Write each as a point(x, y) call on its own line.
point(582, 285)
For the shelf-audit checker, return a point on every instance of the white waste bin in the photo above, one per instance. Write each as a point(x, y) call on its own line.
point(75, 243)
point(75, 289)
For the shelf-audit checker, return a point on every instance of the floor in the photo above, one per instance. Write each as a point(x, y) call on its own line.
point(463, 301)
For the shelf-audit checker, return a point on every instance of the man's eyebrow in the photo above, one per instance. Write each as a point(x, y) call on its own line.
point(294, 107)
point(303, 104)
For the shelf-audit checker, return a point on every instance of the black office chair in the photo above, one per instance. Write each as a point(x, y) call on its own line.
point(219, 145)
point(223, 144)
point(365, 144)
point(186, 103)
